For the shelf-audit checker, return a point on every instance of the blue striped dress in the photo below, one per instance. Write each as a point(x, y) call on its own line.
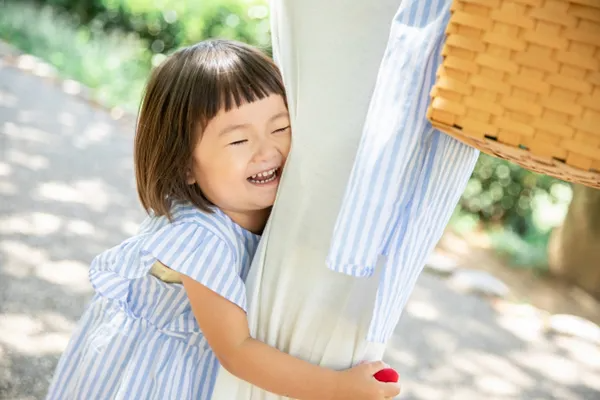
point(138, 339)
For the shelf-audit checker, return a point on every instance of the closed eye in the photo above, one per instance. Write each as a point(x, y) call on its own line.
point(238, 142)
point(282, 129)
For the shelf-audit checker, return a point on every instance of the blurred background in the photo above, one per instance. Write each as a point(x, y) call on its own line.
point(512, 292)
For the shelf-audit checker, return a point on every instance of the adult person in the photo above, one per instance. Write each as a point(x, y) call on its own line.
point(368, 187)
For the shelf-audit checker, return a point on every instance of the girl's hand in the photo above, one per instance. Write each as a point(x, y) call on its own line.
point(358, 383)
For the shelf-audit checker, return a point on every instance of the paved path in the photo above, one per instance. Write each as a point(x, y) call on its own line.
point(67, 193)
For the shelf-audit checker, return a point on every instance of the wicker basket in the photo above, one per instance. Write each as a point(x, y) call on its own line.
point(520, 80)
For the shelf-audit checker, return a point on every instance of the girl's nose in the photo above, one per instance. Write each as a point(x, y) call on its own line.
point(266, 152)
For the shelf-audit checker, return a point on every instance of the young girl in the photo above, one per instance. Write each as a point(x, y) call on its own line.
point(212, 139)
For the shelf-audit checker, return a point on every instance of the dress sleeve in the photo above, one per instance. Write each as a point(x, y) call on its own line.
point(195, 251)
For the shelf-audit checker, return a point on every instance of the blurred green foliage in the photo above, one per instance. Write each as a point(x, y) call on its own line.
point(110, 46)
point(169, 24)
point(499, 191)
point(518, 207)
point(113, 64)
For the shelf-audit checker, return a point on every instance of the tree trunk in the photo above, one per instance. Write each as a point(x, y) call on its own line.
point(574, 249)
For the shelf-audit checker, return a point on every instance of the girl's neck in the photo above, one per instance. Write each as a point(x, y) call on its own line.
point(253, 221)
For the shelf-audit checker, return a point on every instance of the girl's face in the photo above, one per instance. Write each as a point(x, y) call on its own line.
point(239, 158)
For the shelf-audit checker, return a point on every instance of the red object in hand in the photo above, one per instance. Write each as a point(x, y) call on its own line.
point(387, 375)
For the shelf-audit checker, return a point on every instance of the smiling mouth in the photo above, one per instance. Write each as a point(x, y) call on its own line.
point(264, 177)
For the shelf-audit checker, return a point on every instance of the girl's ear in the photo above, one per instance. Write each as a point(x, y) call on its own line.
point(189, 176)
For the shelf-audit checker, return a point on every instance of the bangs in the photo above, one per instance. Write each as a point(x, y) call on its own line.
point(233, 77)
point(234, 89)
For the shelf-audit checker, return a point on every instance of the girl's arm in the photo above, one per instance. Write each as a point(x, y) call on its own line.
point(225, 327)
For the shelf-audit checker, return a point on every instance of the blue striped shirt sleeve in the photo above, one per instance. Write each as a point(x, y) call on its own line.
point(195, 251)
point(407, 176)
point(393, 162)
point(448, 165)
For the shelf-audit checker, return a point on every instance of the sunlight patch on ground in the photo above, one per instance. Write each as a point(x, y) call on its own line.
point(70, 273)
point(441, 339)
point(24, 261)
point(29, 336)
point(30, 224)
point(445, 375)
point(496, 365)
point(27, 133)
point(5, 169)
point(26, 116)
point(21, 258)
point(30, 161)
point(66, 119)
point(8, 188)
point(80, 227)
point(56, 322)
point(583, 352)
point(130, 228)
point(88, 192)
point(7, 99)
point(463, 362)
point(42, 224)
point(422, 310)
point(529, 329)
point(71, 87)
point(94, 133)
point(400, 357)
point(590, 379)
point(426, 391)
point(554, 367)
point(495, 385)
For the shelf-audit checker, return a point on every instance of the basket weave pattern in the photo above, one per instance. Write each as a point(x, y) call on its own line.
point(521, 80)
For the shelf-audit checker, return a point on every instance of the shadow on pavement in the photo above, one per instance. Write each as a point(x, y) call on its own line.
point(66, 193)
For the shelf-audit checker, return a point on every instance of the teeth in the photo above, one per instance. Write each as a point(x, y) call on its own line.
point(265, 176)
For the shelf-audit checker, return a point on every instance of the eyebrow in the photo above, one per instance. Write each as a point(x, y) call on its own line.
point(279, 115)
point(242, 126)
point(231, 128)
